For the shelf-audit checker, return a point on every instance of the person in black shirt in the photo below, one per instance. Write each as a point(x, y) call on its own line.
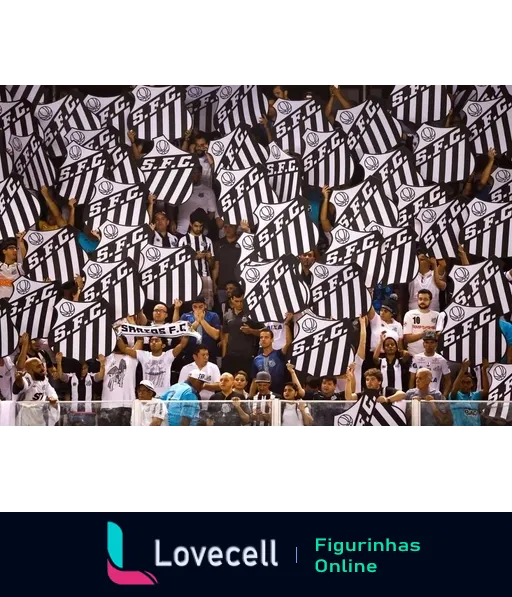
point(227, 255)
point(324, 414)
point(226, 406)
point(161, 237)
point(307, 261)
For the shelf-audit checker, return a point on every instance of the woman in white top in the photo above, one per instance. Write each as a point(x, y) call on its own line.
point(294, 412)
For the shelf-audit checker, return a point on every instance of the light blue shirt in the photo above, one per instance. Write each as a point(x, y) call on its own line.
point(183, 401)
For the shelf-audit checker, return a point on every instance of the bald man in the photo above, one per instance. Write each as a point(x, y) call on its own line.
point(33, 388)
point(225, 406)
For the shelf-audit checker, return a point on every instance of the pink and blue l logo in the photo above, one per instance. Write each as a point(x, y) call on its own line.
point(115, 570)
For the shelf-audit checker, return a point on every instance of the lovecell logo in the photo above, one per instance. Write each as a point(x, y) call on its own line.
point(115, 567)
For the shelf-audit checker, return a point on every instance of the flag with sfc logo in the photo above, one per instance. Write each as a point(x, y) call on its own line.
point(31, 93)
point(471, 333)
point(501, 189)
point(122, 167)
point(363, 248)
point(294, 119)
point(247, 252)
point(322, 346)
point(370, 413)
point(369, 128)
point(5, 158)
point(202, 104)
point(168, 274)
point(16, 117)
point(80, 172)
point(237, 150)
point(500, 391)
point(31, 162)
point(168, 172)
point(105, 138)
point(58, 118)
point(54, 255)
point(412, 199)
point(481, 285)
point(19, 209)
point(284, 173)
point(124, 204)
point(487, 231)
point(395, 169)
point(399, 253)
point(444, 154)
point(327, 159)
point(490, 124)
point(273, 289)
point(284, 229)
point(117, 283)
point(241, 193)
point(9, 336)
point(31, 306)
point(339, 291)
point(439, 228)
point(120, 242)
point(420, 104)
point(159, 112)
point(239, 104)
point(82, 331)
point(112, 111)
point(358, 206)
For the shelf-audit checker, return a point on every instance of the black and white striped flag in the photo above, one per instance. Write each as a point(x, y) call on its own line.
point(241, 193)
point(339, 291)
point(169, 274)
point(285, 229)
point(444, 154)
point(122, 167)
point(124, 204)
point(19, 209)
point(399, 253)
point(500, 392)
point(202, 104)
point(119, 284)
point(395, 169)
point(112, 111)
point(357, 206)
point(501, 190)
point(363, 248)
point(6, 164)
point(159, 111)
point(294, 119)
point(55, 255)
point(412, 199)
point(32, 163)
point(80, 172)
point(105, 138)
point(9, 336)
point(487, 231)
point(487, 92)
point(237, 150)
point(472, 333)
point(490, 124)
point(247, 252)
point(168, 172)
point(82, 331)
point(16, 117)
point(120, 242)
point(482, 284)
point(59, 117)
point(439, 228)
point(284, 173)
point(327, 159)
point(30, 93)
point(420, 104)
point(369, 128)
point(322, 346)
point(273, 289)
point(369, 413)
point(239, 104)
point(32, 306)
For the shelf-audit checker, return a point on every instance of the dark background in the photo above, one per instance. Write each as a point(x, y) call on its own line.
point(461, 554)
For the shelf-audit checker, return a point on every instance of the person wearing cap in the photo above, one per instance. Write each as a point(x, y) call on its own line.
point(153, 410)
point(202, 198)
point(384, 321)
point(434, 362)
point(10, 268)
point(207, 323)
point(183, 400)
point(261, 415)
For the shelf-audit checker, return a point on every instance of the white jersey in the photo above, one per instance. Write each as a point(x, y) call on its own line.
point(424, 282)
point(279, 334)
point(119, 381)
point(206, 178)
point(416, 322)
point(157, 370)
point(437, 364)
point(7, 376)
point(149, 410)
point(8, 275)
point(378, 325)
point(292, 415)
point(33, 395)
point(212, 373)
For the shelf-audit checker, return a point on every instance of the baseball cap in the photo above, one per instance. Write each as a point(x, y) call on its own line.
point(147, 384)
point(263, 377)
point(8, 242)
point(430, 335)
point(197, 374)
